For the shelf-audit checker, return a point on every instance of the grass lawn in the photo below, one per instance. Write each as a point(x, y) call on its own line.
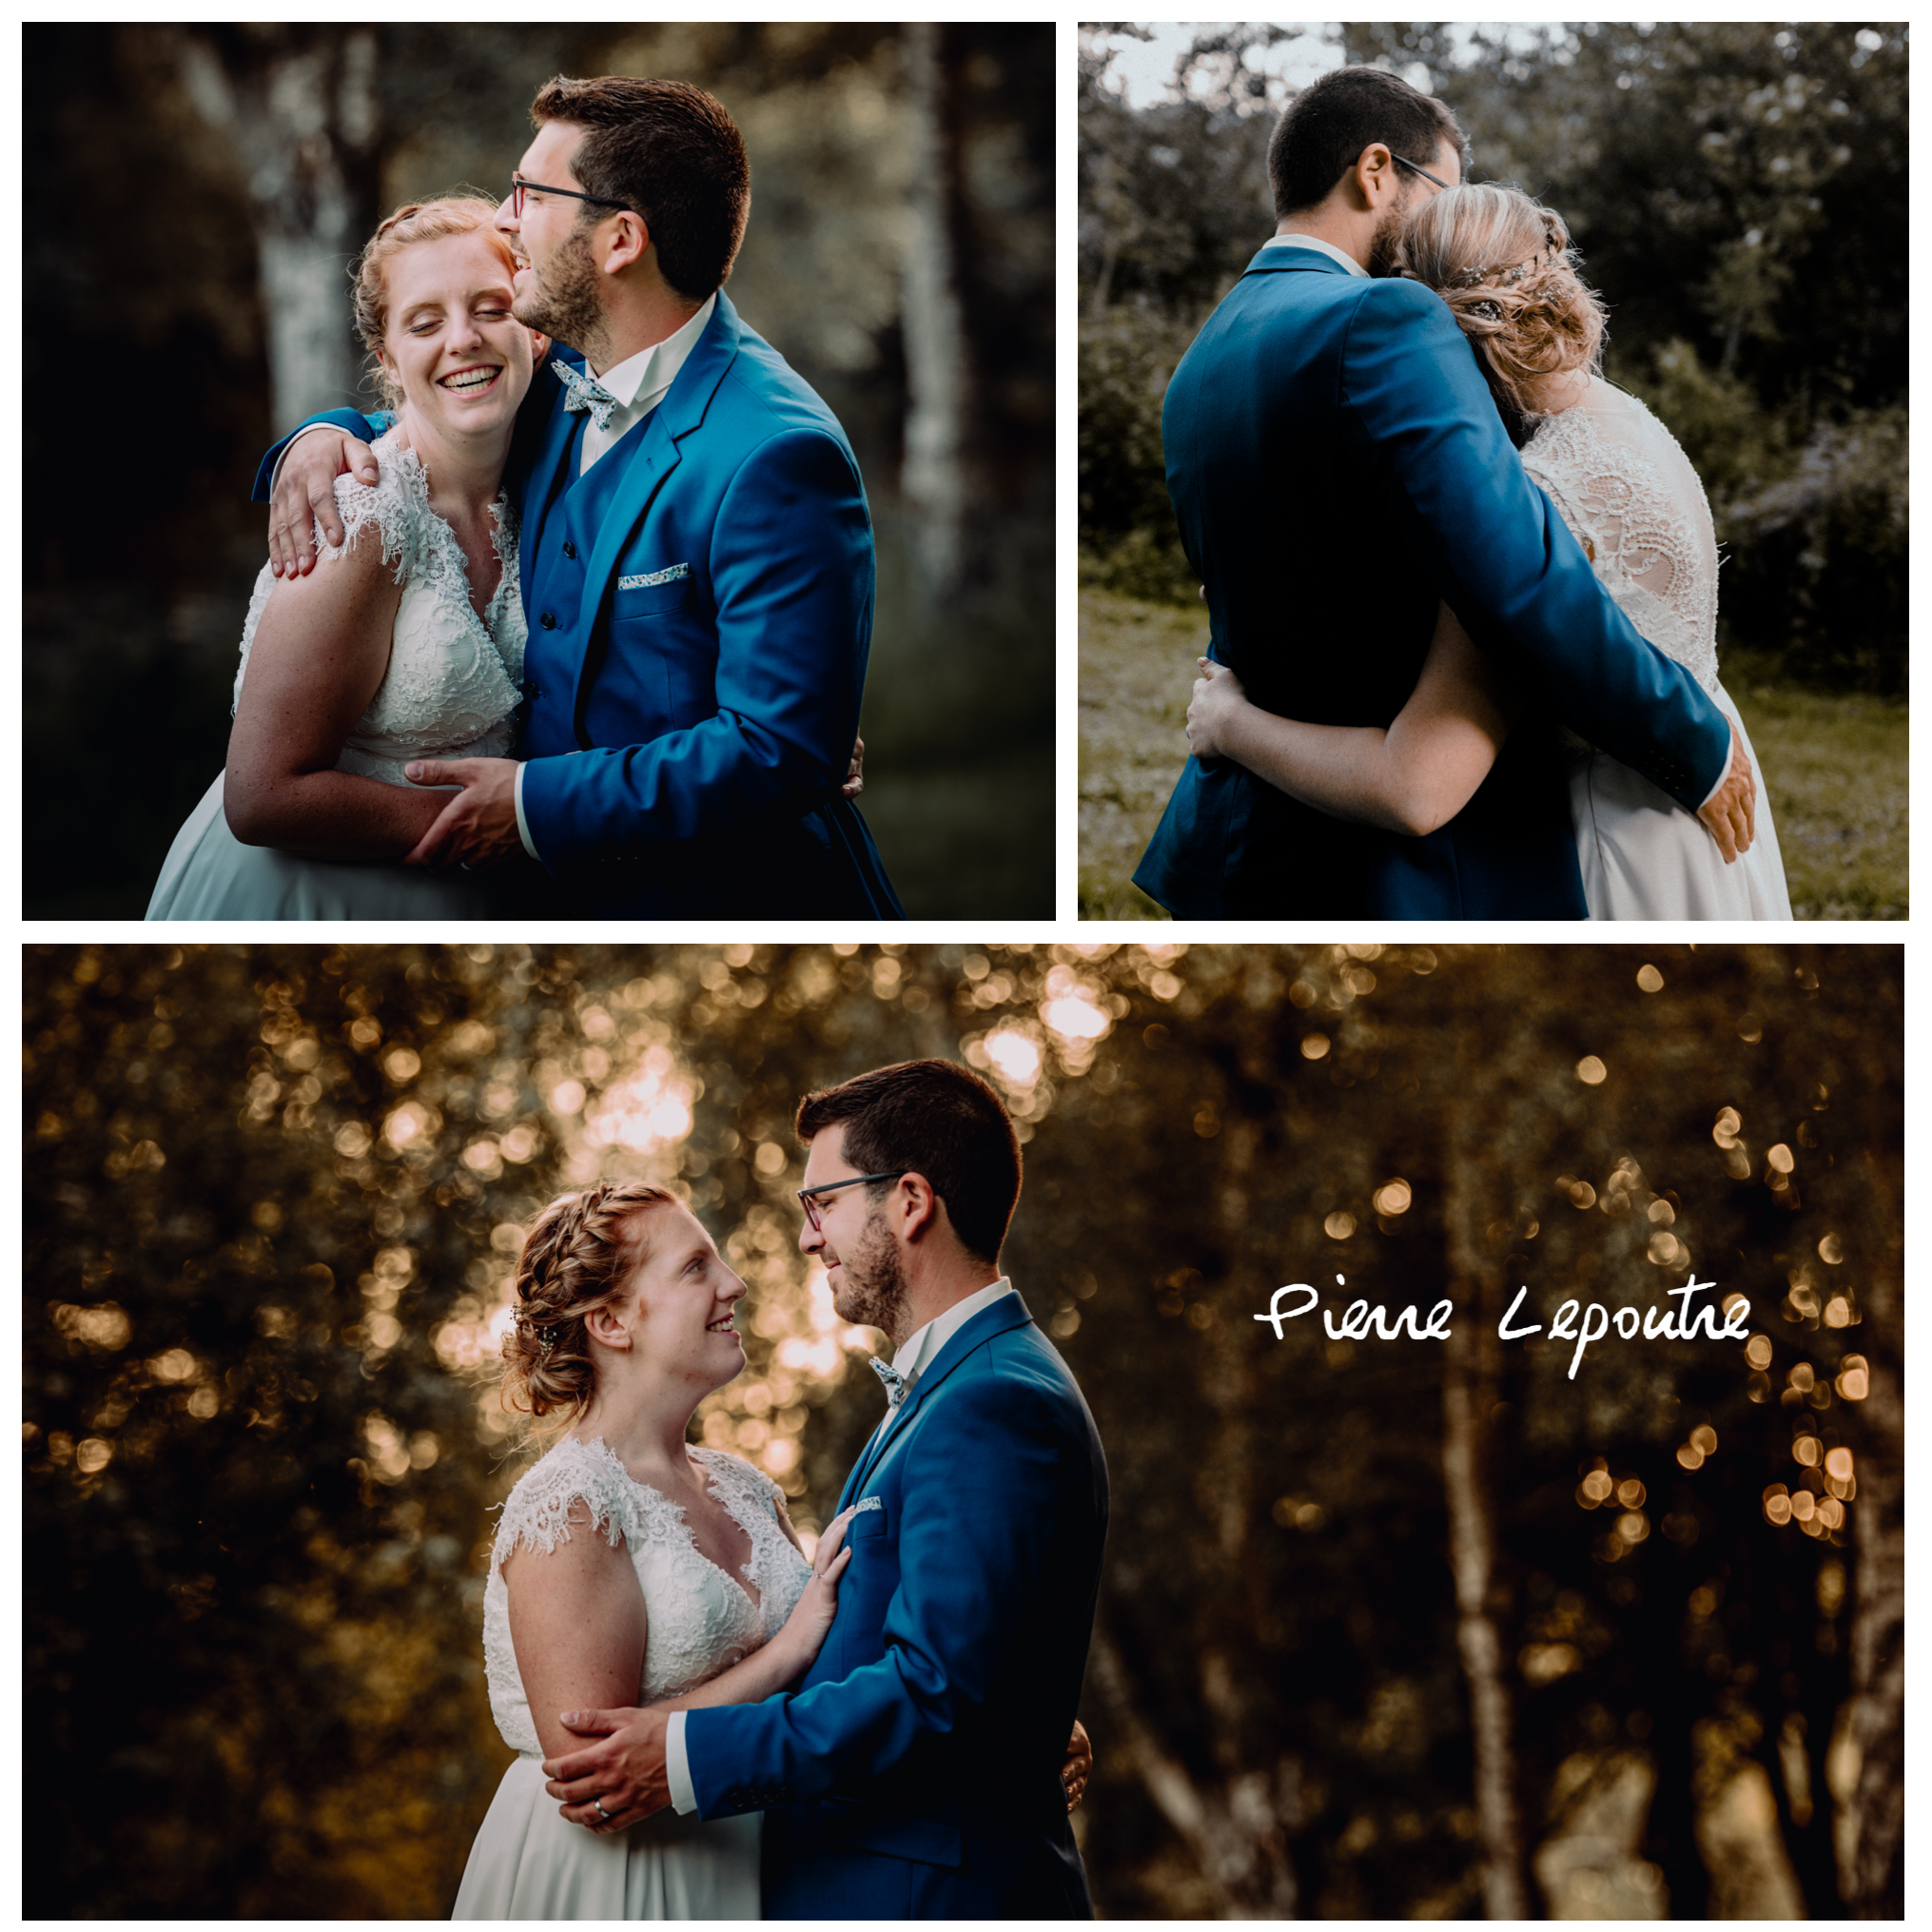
point(1834, 765)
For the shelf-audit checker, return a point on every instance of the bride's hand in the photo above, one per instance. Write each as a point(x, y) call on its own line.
point(806, 1626)
point(1217, 694)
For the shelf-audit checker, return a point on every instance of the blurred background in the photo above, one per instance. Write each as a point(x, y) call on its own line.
point(1389, 1627)
point(1738, 193)
point(195, 195)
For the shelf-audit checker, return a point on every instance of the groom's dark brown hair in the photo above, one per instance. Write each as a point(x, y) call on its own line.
point(933, 1117)
point(1327, 124)
point(668, 152)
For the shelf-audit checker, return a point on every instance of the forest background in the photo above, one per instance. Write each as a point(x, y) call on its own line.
point(1389, 1627)
point(1738, 192)
point(194, 196)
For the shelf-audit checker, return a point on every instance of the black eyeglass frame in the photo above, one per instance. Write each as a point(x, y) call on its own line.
point(807, 1197)
point(519, 187)
point(1422, 171)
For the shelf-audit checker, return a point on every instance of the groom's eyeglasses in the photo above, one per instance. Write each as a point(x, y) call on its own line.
point(519, 187)
point(808, 1196)
point(1413, 169)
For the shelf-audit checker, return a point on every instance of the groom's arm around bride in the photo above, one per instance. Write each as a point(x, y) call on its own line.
point(915, 1771)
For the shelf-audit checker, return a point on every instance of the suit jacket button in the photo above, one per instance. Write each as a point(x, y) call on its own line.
point(548, 622)
point(533, 693)
point(570, 549)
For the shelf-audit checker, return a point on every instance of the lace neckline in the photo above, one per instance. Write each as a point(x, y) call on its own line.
point(710, 1467)
point(411, 475)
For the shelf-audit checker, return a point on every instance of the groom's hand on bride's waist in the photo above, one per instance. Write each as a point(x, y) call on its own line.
point(479, 826)
point(617, 1778)
point(304, 495)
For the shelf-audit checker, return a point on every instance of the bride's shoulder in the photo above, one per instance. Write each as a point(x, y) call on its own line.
point(573, 1484)
point(385, 518)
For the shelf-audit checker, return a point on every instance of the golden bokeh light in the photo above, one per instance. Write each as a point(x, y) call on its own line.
point(1838, 1463)
point(1854, 1380)
point(1393, 1197)
point(1313, 1045)
point(1339, 1226)
point(1703, 1439)
point(1591, 1071)
point(1757, 1352)
point(1649, 979)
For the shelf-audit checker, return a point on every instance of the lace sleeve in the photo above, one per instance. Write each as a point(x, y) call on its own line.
point(396, 504)
point(537, 1515)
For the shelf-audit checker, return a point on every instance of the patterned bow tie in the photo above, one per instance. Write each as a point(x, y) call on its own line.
point(582, 391)
point(894, 1381)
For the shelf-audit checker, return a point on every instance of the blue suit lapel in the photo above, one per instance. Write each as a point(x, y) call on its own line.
point(540, 481)
point(1008, 1313)
point(656, 456)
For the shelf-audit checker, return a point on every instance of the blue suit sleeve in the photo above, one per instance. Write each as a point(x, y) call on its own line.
point(970, 1554)
point(366, 428)
point(1504, 559)
point(791, 575)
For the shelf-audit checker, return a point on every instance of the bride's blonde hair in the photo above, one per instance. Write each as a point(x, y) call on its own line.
point(1504, 264)
point(431, 221)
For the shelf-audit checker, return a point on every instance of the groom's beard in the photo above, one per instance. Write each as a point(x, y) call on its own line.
point(1382, 248)
point(563, 299)
point(872, 1285)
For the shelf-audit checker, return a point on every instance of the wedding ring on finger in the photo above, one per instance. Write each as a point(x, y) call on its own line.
point(609, 1817)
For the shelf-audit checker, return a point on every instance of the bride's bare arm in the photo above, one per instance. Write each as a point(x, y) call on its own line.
point(578, 1625)
point(318, 655)
point(1410, 778)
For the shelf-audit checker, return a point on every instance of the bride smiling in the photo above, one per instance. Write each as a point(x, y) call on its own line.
point(630, 1567)
point(409, 643)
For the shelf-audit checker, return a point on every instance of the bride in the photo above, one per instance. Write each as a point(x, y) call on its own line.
point(629, 1567)
point(410, 642)
point(1629, 495)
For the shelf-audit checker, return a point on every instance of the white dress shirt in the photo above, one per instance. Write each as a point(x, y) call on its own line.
point(639, 384)
point(915, 1354)
point(1328, 248)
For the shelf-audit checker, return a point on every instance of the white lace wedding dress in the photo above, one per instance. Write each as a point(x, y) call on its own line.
point(450, 691)
point(530, 1862)
point(1631, 499)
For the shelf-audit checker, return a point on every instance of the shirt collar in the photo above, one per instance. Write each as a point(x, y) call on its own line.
point(1328, 248)
point(921, 1348)
point(657, 367)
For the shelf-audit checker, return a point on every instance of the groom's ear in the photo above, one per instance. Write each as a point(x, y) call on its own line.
point(539, 347)
point(923, 1210)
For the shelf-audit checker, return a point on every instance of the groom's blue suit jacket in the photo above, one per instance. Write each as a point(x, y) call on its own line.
point(915, 1771)
point(1336, 464)
point(700, 609)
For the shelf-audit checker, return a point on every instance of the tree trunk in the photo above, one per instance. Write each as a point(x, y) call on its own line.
point(300, 107)
point(1468, 1397)
point(1873, 1877)
point(1235, 1834)
point(937, 374)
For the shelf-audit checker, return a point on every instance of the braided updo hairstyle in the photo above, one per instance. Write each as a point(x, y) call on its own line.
point(1504, 264)
point(575, 1260)
point(433, 221)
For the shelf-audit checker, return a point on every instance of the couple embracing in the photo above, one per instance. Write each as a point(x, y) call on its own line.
point(709, 1724)
point(1406, 611)
point(579, 625)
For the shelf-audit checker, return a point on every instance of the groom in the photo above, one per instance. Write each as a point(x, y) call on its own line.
point(1337, 466)
point(914, 1771)
point(696, 553)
